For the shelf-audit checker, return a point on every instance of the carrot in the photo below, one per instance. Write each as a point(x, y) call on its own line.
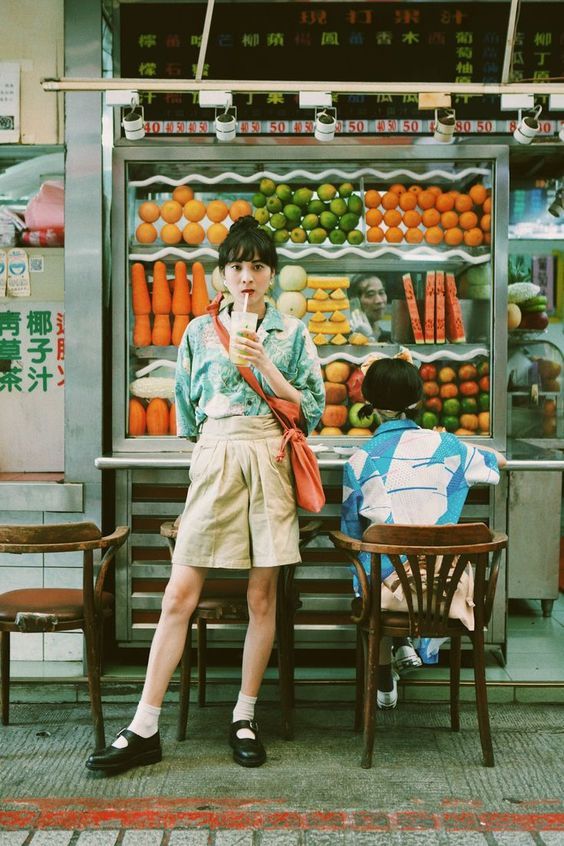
point(181, 300)
point(172, 420)
point(161, 330)
point(141, 331)
point(200, 298)
point(161, 292)
point(181, 321)
point(139, 291)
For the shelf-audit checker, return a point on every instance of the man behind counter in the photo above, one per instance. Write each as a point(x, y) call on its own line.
point(368, 304)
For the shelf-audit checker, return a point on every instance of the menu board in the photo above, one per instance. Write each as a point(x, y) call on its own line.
point(367, 41)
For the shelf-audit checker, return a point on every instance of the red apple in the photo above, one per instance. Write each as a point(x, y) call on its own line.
point(354, 385)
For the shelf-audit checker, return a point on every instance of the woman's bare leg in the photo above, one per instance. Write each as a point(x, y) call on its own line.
point(261, 599)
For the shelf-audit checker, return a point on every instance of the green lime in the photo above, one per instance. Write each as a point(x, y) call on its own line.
point(337, 236)
point(310, 221)
point(328, 220)
point(302, 197)
point(281, 236)
point(278, 221)
point(262, 215)
point(355, 237)
point(346, 189)
point(267, 187)
point(259, 200)
point(450, 423)
point(355, 205)
point(316, 207)
point(429, 420)
point(274, 204)
point(338, 206)
point(293, 213)
point(298, 235)
point(484, 402)
point(317, 236)
point(285, 193)
point(469, 405)
point(348, 221)
point(451, 407)
point(326, 191)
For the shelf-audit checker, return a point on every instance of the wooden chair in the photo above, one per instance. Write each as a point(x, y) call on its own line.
point(225, 600)
point(60, 609)
point(436, 559)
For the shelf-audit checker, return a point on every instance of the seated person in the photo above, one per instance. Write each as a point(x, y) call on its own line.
point(409, 475)
point(368, 300)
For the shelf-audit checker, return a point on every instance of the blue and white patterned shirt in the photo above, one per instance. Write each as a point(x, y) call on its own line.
point(405, 474)
point(209, 385)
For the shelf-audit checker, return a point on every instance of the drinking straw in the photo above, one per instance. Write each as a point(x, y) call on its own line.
point(246, 303)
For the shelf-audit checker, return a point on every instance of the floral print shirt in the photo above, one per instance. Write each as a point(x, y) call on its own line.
point(209, 385)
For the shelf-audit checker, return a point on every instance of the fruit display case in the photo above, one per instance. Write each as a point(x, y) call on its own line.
point(429, 221)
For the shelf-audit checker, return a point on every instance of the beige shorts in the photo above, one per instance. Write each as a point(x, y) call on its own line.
point(241, 509)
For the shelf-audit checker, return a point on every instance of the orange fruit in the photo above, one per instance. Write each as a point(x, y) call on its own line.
point(426, 200)
point(397, 188)
point(394, 235)
point(194, 210)
point(487, 207)
point(170, 234)
point(453, 193)
point(217, 211)
point(430, 217)
point(407, 201)
point(240, 208)
point(434, 189)
point(448, 390)
point(473, 237)
point(171, 211)
point(478, 194)
point(415, 189)
point(372, 199)
point(390, 200)
point(413, 236)
point(447, 374)
point(486, 222)
point(412, 219)
point(444, 203)
point(149, 211)
point(182, 193)
point(434, 235)
point(193, 233)
point(468, 220)
point(374, 235)
point(449, 219)
point(487, 237)
point(454, 236)
point(463, 203)
point(373, 217)
point(217, 233)
point(146, 233)
point(484, 421)
point(392, 217)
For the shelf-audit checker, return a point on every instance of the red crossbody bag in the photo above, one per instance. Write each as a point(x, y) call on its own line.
point(308, 484)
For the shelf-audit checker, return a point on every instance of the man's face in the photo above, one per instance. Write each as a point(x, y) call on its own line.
point(373, 299)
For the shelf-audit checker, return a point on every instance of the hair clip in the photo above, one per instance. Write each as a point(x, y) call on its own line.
point(403, 353)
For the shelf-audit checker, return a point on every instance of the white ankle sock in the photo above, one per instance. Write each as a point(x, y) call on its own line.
point(145, 723)
point(244, 710)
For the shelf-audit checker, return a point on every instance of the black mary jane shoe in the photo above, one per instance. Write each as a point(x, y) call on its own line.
point(247, 751)
point(138, 752)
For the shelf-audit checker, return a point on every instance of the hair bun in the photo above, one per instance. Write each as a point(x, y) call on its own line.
point(246, 222)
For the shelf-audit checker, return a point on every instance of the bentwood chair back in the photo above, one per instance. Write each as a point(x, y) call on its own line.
point(430, 599)
point(61, 609)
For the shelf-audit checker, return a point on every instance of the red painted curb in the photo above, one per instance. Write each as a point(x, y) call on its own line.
point(78, 814)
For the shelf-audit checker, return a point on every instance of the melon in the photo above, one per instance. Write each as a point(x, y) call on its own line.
point(217, 280)
point(292, 302)
point(513, 316)
point(293, 278)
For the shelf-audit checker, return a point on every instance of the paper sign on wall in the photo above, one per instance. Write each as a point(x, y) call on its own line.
point(9, 102)
point(18, 274)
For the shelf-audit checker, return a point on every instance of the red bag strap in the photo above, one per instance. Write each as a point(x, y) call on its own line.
point(245, 372)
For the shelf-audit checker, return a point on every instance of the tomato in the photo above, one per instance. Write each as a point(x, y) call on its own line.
point(469, 421)
point(484, 402)
point(435, 404)
point(430, 389)
point(467, 372)
point(448, 390)
point(451, 407)
point(447, 374)
point(469, 389)
point(450, 423)
point(484, 383)
point(428, 372)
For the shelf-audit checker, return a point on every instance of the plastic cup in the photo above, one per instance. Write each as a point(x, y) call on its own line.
point(241, 323)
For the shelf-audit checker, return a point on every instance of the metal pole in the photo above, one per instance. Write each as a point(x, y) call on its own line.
point(510, 42)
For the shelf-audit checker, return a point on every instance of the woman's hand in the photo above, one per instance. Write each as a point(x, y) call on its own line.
point(252, 350)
